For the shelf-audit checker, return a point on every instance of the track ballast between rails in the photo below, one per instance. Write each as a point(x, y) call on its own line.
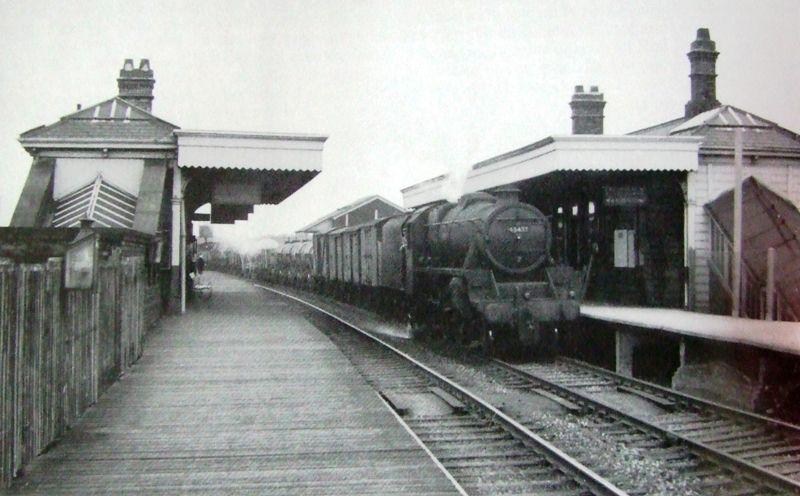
point(510, 440)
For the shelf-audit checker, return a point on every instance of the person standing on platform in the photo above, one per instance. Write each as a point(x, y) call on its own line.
point(200, 264)
point(190, 275)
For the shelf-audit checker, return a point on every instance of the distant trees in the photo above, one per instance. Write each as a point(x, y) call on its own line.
point(206, 232)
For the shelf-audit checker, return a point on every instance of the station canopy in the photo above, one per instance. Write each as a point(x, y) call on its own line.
point(233, 171)
point(576, 153)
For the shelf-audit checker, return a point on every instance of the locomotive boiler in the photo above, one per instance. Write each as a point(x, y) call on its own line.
point(514, 237)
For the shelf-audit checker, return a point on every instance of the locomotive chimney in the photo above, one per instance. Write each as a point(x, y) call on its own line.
point(703, 59)
point(506, 194)
point(136, 85)
point(587, 111)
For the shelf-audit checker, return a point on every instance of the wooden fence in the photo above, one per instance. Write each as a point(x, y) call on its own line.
point(61, 349)
point(753, 297)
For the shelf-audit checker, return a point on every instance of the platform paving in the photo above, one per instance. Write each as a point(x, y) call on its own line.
point(241, 395)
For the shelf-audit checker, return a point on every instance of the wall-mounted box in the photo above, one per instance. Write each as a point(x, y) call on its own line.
point(80, 262)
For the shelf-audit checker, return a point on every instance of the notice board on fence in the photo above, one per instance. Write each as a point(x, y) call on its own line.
point(80, 263)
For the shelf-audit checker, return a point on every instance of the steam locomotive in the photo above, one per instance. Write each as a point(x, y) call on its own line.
point(476, 270)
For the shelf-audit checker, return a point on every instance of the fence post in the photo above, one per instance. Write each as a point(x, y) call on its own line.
point(8, 319)
point(17, 373)
point(55, 346)
point(770, 282)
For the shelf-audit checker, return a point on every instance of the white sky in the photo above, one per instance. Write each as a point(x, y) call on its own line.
point(405, 90)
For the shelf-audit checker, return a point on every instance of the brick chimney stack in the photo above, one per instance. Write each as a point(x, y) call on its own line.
point(136, 85)
point(703, 59)
point(587, 111)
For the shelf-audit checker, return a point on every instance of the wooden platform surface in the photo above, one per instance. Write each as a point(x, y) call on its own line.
point(241, 395)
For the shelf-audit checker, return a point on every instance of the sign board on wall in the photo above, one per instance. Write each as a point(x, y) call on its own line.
point(236, 193)
point(624, 196)
point(80, 263)
point(624, 248)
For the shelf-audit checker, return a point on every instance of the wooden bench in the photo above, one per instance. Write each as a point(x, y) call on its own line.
point(202, 289)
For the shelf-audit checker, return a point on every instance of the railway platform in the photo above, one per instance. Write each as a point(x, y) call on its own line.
point(745, 363)
point(239, 395)
point(782, 337)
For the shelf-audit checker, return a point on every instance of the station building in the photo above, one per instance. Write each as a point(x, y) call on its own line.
point(118, 165)
point(360, 211)
point(652, 210)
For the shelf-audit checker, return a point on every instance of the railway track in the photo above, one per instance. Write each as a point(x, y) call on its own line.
point(454, 439)
point(739, 452)
point(483, 450)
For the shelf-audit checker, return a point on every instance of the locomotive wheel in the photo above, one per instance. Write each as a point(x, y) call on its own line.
point(508, 343)
point(460, 330)
point(415, 318)
point(456, 327)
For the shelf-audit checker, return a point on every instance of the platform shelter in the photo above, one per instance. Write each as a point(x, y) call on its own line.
point(119, 165)
point(615, 202)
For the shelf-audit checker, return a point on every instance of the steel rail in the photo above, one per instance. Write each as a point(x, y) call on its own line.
point(583, 474)
point(425, 448)
point(759, 474)
point(701, 403)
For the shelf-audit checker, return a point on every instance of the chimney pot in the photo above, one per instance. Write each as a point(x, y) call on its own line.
point(136, 85)
point(587, 111)
point(702, 59)
point(78, 107)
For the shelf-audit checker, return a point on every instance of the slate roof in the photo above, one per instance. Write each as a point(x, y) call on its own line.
point(662, 129)
point(347, 209)
point(114, 121)
point(716, 127)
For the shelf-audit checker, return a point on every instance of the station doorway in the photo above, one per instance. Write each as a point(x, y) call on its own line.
point(630, 226)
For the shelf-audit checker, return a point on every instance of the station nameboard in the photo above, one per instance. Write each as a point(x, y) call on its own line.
point(624, 196)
